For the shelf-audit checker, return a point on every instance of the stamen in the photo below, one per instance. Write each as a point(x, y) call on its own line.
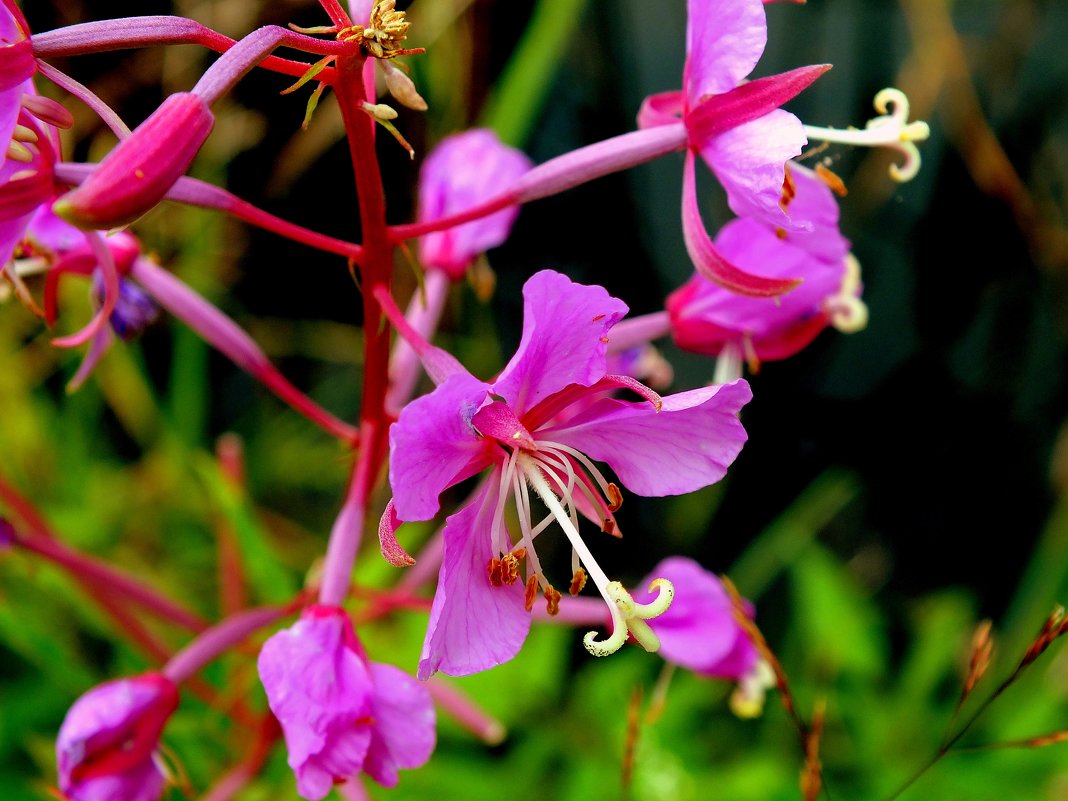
point(499, 535)
point(495, 572)
point(47, 111)
point(24, 134)
point(892, 130)
point(578, 581)
point(380, 111)
point(552, 600)
point(16, 151)
point(531, 594)
point(832, 179)
point(728, 364)
point(510, 567)
point(789, 191)
point(593, 471)
point(615, 497)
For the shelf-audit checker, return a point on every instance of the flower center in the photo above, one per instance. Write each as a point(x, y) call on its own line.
point(567, 483)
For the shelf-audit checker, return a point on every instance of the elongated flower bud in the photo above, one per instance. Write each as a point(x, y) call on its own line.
point(138, 172)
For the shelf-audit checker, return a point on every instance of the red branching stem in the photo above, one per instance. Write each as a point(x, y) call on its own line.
point(375, 271)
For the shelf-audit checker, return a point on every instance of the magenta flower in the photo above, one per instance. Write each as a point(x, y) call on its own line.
point(106, 746)
point(17, 66)
point(656, 446)
point(464, 170)
point(706, 318)
point(340, 714)
point(737, 128)
point(698, 631)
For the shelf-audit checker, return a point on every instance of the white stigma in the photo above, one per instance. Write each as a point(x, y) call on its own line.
point(628, 616)
point(847, 312)
point(892, 129)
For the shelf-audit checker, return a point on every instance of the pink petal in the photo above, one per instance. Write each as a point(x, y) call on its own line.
point(750, 160)
point(688, 445)
point(750, 101)
point(724, 41)
point(708, 261)
point(462, 172)
point(320, 690)
point(705, 316)
point(473, 625)
point(433, 442)
point(661, 109)
point(404, 731)
point(565, 339)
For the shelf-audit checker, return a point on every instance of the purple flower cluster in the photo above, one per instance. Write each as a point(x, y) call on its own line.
point(540, 440)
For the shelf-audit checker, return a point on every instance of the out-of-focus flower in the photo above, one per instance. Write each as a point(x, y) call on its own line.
point(106, 746)
point(342, 715)
point(699, 631)
point(738, 129)
point(706, 318)
point(514, 426)
point(463, 171)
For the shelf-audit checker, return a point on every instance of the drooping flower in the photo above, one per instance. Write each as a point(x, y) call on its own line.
point(655, 446)
point(464, 170)
point(706, 318)
point(342, 715)
point(738, 129)
point(105, 749)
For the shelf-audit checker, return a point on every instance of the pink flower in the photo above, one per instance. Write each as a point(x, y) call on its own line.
point(340, 714)
point(706, 318)
point(698, 631)
point(736, 127)
point(464, 170)
point(106, 745)
point(514, 427)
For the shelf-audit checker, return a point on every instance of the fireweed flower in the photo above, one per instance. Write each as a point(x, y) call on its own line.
point(464, 170)
point(106, 746)
point(706, 318)
point(479, 617)
point(737, 127)
point(342, 715)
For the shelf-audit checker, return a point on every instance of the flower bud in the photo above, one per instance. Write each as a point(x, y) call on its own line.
point(105, 747)
point(137, 174)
